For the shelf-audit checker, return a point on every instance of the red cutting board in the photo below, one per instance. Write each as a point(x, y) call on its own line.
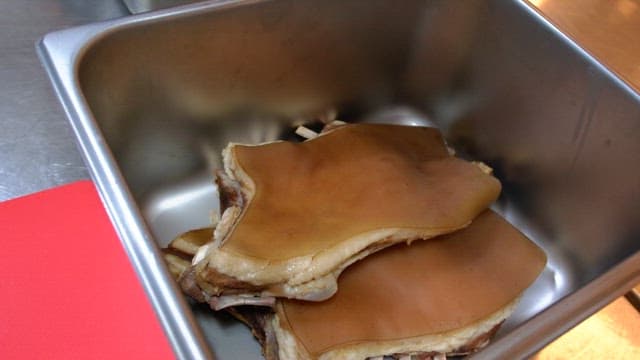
point(67, 289)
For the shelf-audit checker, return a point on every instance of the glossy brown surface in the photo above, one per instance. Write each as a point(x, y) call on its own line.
point(431, 287)
point(313, 195)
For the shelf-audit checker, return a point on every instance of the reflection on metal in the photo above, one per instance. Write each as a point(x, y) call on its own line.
point(538, 3)
point(139, 6)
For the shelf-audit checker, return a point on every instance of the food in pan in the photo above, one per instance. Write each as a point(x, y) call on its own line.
point(295, 215)
point(431, 299)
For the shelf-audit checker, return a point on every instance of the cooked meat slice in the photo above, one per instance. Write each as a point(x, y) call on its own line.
point(295, 215)
point(427, 300)
point(447, 295)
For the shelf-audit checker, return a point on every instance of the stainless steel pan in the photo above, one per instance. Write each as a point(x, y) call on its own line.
point(152, 96)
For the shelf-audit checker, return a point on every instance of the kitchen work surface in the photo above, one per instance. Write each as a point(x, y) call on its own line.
point(612, 333)
point(68, 288)
point(37, 148)
point(607, 29)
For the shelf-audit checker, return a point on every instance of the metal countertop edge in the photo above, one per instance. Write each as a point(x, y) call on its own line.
point(170, 308)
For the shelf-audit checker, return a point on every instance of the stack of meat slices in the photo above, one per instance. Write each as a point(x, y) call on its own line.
point(362, 242)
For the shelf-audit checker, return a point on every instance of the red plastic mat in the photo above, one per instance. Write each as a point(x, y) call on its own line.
point(67, 289)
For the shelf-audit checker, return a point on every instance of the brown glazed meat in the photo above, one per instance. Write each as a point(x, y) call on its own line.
point(445, 295)
point(297, 214)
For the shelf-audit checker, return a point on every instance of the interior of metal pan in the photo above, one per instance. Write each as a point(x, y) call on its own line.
point(560, 132)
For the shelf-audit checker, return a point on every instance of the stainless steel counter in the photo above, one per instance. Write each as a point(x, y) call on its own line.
point(37, 148)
